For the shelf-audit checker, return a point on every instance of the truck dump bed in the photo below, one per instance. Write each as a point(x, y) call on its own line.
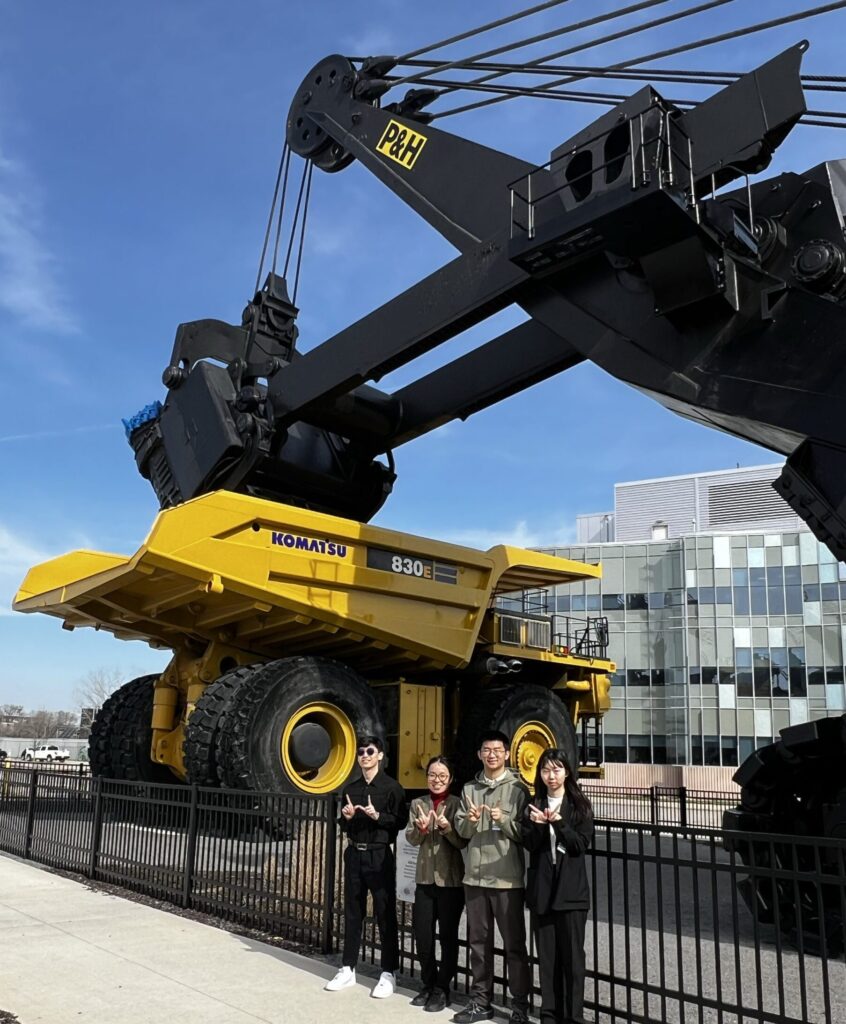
point(277, 580)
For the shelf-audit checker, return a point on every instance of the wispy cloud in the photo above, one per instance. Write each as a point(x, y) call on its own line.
point(29, 283)
point(519, 534)
point(17, 555)
point(39, 435)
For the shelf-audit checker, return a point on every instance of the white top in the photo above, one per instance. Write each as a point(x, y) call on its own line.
point(554, 804)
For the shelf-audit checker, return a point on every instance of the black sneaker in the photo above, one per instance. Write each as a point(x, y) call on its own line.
point(422, 997)
point(439, 1000)
point(518, 1017)
point(471, 1013)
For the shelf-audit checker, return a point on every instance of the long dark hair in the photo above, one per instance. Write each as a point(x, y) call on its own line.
point(579, 803)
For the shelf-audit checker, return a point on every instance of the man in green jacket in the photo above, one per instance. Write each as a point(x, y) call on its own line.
point(489, 817)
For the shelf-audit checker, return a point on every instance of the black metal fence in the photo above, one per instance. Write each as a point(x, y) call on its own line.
point(671, 937)
point(660, 805)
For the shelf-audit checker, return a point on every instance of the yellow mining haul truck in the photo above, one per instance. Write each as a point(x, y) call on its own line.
point(293, 630)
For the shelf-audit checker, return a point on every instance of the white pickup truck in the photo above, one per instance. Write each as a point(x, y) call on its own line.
point(47, 752)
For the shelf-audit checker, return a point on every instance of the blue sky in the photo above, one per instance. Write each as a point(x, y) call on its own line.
point(138, 146)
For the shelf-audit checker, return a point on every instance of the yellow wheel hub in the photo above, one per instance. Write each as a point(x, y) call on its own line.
point(323, 764)
point(527, 744)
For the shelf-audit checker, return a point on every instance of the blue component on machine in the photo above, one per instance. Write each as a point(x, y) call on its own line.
point(149, 412)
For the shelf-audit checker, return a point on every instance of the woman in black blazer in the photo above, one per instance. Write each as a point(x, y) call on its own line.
point(557, 830)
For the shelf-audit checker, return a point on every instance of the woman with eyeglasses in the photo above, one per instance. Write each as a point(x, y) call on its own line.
point(439, 896)
point(557, 830)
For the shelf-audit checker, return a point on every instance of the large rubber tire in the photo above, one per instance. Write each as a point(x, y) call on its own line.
point(795, 786)
point(132, 733)
point(286, 703)
point(199, 749)
point(102, 728)
point(532, 717)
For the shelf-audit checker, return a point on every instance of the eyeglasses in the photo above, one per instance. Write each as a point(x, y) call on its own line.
point(492, 751)
point(437, 778)
point(367, 751)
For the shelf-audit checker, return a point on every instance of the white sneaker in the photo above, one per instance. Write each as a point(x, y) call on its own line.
point(384, 986)
point(343, 979)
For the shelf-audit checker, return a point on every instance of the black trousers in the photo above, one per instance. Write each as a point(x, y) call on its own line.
point(441, 905)
point(505, 907)
point(370, 871)
point(560, 937)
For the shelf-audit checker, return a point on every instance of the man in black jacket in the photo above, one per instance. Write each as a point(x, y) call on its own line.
point(372, 812)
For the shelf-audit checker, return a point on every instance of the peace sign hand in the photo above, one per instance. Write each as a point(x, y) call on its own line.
point(474, 811)
point(348, 809)
point(370, 810)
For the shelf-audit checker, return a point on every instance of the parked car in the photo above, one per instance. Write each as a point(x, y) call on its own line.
point(46, 752)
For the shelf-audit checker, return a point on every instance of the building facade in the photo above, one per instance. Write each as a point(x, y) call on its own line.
point(726, 617)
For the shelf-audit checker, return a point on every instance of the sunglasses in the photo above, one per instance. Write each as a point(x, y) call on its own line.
point(367, 751)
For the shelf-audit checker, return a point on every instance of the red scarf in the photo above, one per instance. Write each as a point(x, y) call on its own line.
point(438, 799)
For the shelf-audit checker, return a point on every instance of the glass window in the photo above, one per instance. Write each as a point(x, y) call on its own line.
point(712, 750)
point(729, 749)
point(615, 747)
point(618, 679)
point(692, 595)
point(776, 600)
point(709, 674)
point(793, 600)
point(744, 682)
point(756, 556)
point(592, 603)
point(578, 603)
point(798, 680)
point(741, 601)
point(792, 575)
point(706, 595)
point(758, 602)
point(830, 591)
point(695, 677)
point(743, 656)
point(722, 553)
point(658, 677)
point(758, 577)
point(656, 600)
point(723, 595)
point(809, 552)
point(816, 675)
point(659, 750)
point(637, 677)
point(696, 750)
point(612, 602)
point(747, 747)
point(740, 577)
point(639, 750)
point(562, 602)
point(775, 576)
point(761, 671)
point(636, 602)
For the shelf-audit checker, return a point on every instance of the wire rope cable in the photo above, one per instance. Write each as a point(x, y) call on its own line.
point(669, 51)
point(309, 173)
point(517, 16)
point(282, 160)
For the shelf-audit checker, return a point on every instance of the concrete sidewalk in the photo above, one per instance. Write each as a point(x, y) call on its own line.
point(70, 953)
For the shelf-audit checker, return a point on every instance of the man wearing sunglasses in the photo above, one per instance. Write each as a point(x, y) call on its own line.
point(372, 812)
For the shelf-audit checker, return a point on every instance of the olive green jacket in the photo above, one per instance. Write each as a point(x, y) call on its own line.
point(494, 854)
point(439, 860)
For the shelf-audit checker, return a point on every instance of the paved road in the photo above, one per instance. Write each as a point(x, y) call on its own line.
point(71, 953)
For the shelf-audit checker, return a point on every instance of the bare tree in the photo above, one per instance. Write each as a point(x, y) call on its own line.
point(43, 725)
point(96, 686)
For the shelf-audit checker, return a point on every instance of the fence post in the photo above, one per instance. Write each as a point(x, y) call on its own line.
point(96, 826)
point(30, 813)
point(190, 850)
point(683, 806)
point(653, 805)
point(330, 863)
